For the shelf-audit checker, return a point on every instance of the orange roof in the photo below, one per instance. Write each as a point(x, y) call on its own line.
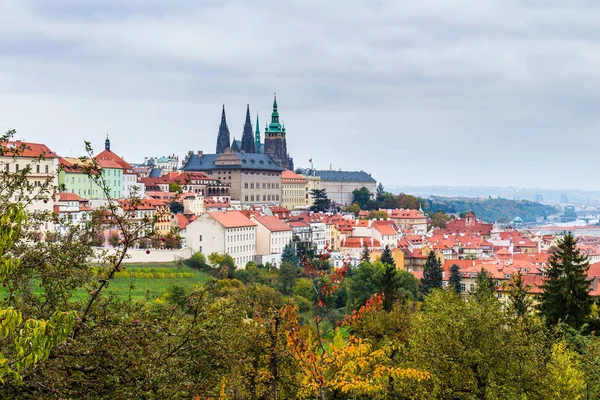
point(272, 223)
point(289, 175)
point(109, 155)
point(357, 241)
point(66, 196)
point(27, 149)
point(231, 219)
point(385, 229)
point(104, 163)
point(182, 221)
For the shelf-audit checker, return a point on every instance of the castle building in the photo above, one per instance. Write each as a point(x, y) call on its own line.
point(275, 141)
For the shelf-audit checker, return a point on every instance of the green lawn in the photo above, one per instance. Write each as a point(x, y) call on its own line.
point(150, 287)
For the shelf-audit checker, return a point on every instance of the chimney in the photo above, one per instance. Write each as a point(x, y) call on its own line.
point(200, 153)
point(361, 242)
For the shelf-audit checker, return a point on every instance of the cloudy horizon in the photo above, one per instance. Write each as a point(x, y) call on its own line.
point(437, 92)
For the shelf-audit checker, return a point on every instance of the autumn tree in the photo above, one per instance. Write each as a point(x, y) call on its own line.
point(366, 254)
point(286, 278)
point(432, 274)
point(565, 297)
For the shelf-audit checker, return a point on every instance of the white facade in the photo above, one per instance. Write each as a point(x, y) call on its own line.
point(318, 236)
point(132, 185)
point(271, 241)
point(208, 235)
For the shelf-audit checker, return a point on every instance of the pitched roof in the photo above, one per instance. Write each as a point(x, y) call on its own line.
point(66, 196)
point(289, 175)
point(106, 163)
point(231, 219)
point(272, 223)
point(352, 176)
point(206, 162)
point(182, 221)
point(109, 155)
point(27, 149)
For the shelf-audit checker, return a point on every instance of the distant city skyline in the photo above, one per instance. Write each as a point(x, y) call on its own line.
point(494, 93)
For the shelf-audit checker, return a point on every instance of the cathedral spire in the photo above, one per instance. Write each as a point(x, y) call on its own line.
point(223, 141)
point(247, 135)
point(257, 135)
point(274, 128)
point(107, 143)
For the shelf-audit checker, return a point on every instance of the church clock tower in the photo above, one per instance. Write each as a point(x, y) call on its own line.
point(275, 142)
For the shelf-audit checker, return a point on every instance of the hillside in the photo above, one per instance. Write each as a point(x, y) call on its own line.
point(491, 210)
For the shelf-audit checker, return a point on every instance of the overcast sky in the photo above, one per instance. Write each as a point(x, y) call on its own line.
point(473, 92)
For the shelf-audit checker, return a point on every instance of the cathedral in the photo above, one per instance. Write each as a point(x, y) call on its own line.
point(275, 144)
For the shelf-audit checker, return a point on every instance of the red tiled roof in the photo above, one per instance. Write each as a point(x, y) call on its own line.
point(273, 224)
point(357, 241)
point(66, 196)
point(182, 221)
point(27, 149)
point(231, 219)
point(292, 176)
point(109, 155)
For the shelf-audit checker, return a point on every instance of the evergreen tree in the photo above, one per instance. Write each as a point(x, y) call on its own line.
point(366, 255)
point(484, 286)
point(386, 257)
point(565, 296)
point(432, 274)
point(389, 285)
point(289, 255)
point(519, 301)
point(321, 202)
point(379, 192)
point(455, 278)
point(286, 277)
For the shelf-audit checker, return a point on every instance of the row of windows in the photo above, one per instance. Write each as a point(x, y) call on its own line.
point(266, 197)
point(237, 238)
point(261, 173)
point(265, 185)
point(240, 249)
point(17, 168)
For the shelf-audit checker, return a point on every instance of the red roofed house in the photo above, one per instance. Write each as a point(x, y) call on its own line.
point(229, 232)
point(412, 220)
point(468, 224)
point(71, 205)
point(272, 235)
point(43, 164)
point(131, 183)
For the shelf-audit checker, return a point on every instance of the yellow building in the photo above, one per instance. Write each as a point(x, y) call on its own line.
point(295, 192)
point(313, 182)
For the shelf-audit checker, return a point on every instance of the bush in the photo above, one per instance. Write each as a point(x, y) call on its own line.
point(197, 261)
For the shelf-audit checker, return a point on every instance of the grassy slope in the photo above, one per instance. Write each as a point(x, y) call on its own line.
point(149, 287)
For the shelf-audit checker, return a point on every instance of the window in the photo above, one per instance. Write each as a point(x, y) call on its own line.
point(37, 168)
point(252, 186)
point(246, 185)
point(246, 198)
point(16, 167)
point(46, 168)
point(6, 167)
point(200, 238)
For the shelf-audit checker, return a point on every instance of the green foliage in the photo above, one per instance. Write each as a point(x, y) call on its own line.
point(354, 208)
point(176, 207)
point(289, 255)
point(224, 264)
point(174, 187)
point(365, 255)
point(321, 202)
point(362, 197)
point(432, 274)
point(519, 301)
point(490, 210)
point(455, 279)
point(286, 278)
point(376, 214)
point(565, 296)
point(484, 285)
point(439, 219)
point(386, 256)
point(197, 261)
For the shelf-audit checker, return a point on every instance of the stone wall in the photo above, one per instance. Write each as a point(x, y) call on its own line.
point(140, 256)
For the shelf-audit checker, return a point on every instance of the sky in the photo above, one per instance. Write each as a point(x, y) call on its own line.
point(428, 92)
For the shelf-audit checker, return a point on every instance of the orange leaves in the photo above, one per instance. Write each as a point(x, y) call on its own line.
point(374, 303)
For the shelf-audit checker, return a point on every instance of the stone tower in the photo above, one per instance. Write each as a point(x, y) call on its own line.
point(248, 145)
point(275, 142)
point(223, 141)
point(257, 136)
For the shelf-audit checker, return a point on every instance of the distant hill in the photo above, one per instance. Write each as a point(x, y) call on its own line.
point(491, 210)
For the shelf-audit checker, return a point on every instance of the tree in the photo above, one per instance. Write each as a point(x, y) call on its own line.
point(485, 286)
point(223, 263)
point(176, 207)
point(565, 297)
point(518, 299)
point(406, 201)
point(289, 255)
point(114, 239)
point(387, 201)
point(376, 214)
point(321, 202)
point(432, 273)
point(197, 261)
point(174, 187)
point(386, 256)
point(366, 255)
point(286, 278)
point(439, 219)
point(362, 197)
point(354, 208)
point(455, 280)
point(379, 191)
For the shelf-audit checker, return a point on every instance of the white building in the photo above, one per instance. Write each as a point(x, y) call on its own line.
point(272, 235)
point(229, 232)
point(318, 235)
point(72, 207)
point(339, 185)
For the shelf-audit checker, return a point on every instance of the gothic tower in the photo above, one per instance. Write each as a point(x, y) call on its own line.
point(223, 141)
point(275, 143)
point(247, 135)
point(257, 136)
